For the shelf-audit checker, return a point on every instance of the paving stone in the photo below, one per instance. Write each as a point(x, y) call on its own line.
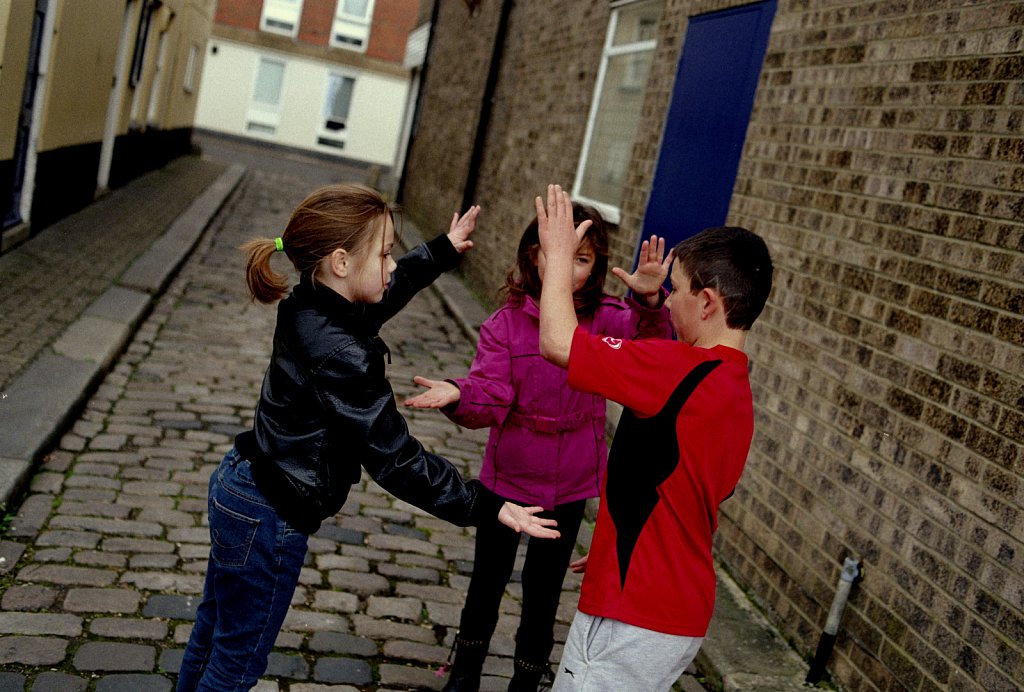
point(12, 682)
point(171, 607)
point(408, 676)
point(291, 666)
point(166, 581)
point(430, 592)
point(308, 621)
point(10, 553)
point(373, 628)
point(32, 651)
point(342, 643)
point(170, 660)
point(97, 559)
point(40, 623)
point(62, 574)
point(403, 608)
point(406, 531)
point(71, 539)
point(33, 513)
point(315, 687)
point(346, 563)
point(415, 651)
point(28, 597)
point(136, 545)
point(342, 670)
point(340, 534)
point(336, 601)
point(128, 628)
point(108, 526)
point(101, 601)
point(150, 561)
point(52, 555)
point(361, 584)
point(133, 683)
point(100, 656)
point(402, 572)
point(51, 681)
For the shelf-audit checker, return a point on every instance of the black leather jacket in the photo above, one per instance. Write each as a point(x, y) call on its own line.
point(326, 408)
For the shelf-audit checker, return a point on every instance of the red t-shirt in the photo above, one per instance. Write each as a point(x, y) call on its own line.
point(678, 452)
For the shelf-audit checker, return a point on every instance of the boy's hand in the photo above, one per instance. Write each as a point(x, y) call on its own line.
point(559, 238)
point(579, 566)
point(461, 228)
point(439, 394)
point(651, 269)
point(523, 520)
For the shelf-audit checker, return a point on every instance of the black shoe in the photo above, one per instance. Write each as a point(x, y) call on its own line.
point(530, 677)
point(468, 666)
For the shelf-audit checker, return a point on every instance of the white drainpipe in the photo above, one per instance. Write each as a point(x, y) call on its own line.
point(43, 68)
point(114, 104)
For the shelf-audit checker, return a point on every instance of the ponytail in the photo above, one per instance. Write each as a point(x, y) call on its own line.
point(265, 284)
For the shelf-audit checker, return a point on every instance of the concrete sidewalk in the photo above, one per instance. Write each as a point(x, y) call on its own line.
point(109, 265)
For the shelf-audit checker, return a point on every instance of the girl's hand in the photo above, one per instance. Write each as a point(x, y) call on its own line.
point(523, 520)
point(579, 566)
point(461, 228)
point(438, 395)
point(651, 270)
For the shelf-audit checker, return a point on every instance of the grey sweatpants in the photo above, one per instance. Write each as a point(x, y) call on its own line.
point(602, 654)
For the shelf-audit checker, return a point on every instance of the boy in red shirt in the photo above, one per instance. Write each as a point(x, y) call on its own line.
point(649, 588)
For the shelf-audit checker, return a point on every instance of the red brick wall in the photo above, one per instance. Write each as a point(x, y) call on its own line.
point(242, 14)
point(316, 21)
point(393, 20)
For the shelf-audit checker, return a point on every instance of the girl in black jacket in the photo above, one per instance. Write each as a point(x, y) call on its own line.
point(326, 410)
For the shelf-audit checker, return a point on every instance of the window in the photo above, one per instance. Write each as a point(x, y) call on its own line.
point(615, 112)
point(281, 16)
point(337, 104)
point(265, 105)
point(351, 28)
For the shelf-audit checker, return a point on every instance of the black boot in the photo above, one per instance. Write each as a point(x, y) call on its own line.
point(469, 664)
point(526, 676)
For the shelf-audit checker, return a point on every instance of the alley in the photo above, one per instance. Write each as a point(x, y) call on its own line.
point(110, 543)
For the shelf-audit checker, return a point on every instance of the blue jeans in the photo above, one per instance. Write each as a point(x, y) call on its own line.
point(255, 559)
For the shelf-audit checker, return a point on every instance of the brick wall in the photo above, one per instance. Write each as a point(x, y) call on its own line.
point(883, 164)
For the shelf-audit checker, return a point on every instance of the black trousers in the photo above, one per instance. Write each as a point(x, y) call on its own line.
point(543, 573)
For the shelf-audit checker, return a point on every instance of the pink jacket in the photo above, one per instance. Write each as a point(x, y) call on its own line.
point(547, 443)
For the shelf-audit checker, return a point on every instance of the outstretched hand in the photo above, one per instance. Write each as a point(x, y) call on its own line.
point(559, 237)
point(651, 268)
point(461, 228)
point(524, 520)
point(579, 566)
point(439, 394)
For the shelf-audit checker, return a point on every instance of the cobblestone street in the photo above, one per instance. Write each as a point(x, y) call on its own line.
point(105, 557)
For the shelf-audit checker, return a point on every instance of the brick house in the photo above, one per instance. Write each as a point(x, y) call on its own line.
point(877, 147)
point(325, 76)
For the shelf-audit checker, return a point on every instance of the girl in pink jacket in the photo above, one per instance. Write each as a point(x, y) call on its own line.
point(547, 442)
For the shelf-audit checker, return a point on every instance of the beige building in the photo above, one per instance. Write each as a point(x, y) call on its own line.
point(877, 147)
point(91, 95)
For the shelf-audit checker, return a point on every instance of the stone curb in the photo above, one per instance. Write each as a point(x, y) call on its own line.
point(39, 403)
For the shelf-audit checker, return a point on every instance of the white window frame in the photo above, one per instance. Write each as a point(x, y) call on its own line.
point(353, 26)
point(262, 118)
point(612, 214)
point(335, 140)
point(287, 12)
point(191, 68)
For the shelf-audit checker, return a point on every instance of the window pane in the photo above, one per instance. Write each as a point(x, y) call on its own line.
point(614, 128)
point(269, 78)
point(355, 8)
point(637, 23)
point(339, 102)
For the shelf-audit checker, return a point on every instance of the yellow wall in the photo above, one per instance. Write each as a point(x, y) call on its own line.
point(81, 69)
point(195, 23)
point(15, 32)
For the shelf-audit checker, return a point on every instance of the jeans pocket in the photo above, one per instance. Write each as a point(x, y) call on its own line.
point(231, 535)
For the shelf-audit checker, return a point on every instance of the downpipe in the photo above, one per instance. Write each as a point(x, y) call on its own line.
point(851, 573)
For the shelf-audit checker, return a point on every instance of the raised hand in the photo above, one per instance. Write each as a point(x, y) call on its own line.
point(524, 520)
point(559, 237)
point(651, 268)
point(439, 394)
point(461, 228)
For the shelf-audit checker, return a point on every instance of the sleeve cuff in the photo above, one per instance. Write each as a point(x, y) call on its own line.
point(443, 252)
point(486, 505)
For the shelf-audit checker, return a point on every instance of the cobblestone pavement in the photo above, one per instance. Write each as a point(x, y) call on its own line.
point(104, 560)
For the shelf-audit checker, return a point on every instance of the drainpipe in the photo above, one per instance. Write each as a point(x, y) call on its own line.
point(851, 573)
point(117, 91)
point(486, 106)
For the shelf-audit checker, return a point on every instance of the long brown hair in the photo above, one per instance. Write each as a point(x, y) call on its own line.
point(333, 217)
point(524, 279)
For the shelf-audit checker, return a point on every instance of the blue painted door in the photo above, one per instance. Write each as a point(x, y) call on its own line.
point(707, 120)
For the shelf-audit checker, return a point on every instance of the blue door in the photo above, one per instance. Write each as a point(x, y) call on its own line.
point(707, 120)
